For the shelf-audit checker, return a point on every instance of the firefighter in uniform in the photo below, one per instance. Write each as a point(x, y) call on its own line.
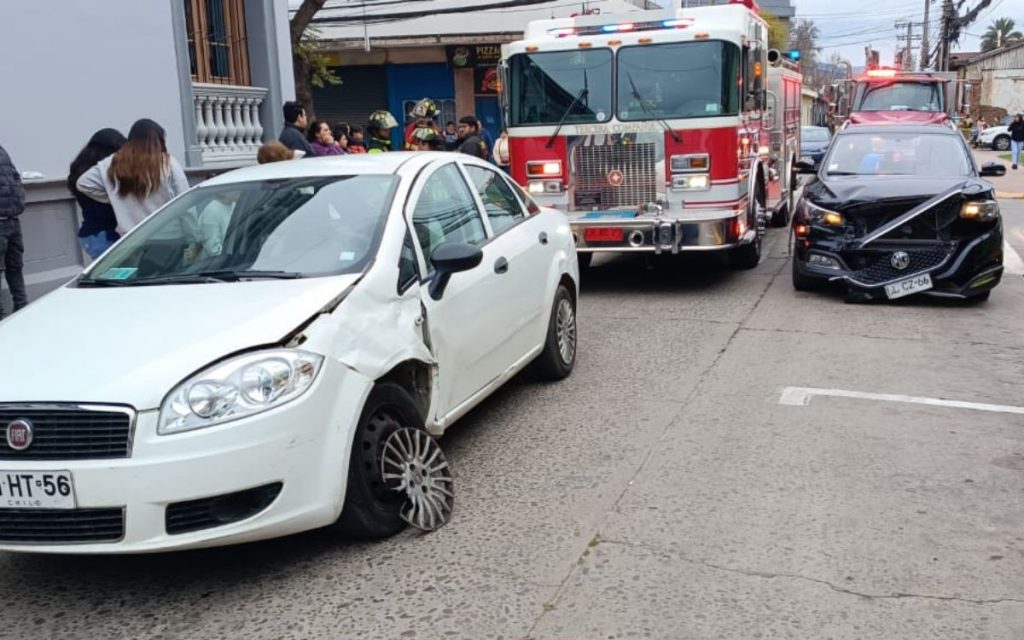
point(379, 128)
point(423, 117)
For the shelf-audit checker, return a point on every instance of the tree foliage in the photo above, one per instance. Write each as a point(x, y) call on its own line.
point(804, 37)
point(778, 31)
point(309, 65)
point(1000, 33)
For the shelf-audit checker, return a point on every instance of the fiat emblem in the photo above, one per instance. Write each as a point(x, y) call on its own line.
point(900, 260)
point(19, 434)
point(615, 178)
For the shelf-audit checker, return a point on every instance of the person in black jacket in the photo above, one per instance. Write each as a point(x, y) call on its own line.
point(470, 141)
point(99, 224)
point(12, 246)
point(1016, 138)
point(293, 135)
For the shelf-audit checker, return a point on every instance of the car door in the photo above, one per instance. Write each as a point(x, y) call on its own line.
point(468, 325)
point(525, 242)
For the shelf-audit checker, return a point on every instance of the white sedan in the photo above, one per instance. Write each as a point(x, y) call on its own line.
point(231, 369)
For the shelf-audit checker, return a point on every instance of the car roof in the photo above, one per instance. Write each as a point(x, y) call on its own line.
point(354, 164)
point(918, 129)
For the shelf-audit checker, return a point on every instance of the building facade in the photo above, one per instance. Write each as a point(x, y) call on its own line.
point(213, 73)
point(992, 81)
point(449, 54)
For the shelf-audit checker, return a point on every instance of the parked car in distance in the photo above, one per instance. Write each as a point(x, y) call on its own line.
point(230, 370)
point(996, 137)
point(897, 210)
point(814, 142)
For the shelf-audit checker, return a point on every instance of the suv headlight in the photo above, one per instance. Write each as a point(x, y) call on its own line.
point(818, 215)
point(982, 210)
point(238, 388)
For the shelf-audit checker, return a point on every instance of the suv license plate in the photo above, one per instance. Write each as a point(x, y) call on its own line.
point(909, 286)
point(37, 490)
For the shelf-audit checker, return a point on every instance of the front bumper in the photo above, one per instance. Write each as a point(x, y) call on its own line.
point(303, 445)
point(664, 233)
point(958, 269)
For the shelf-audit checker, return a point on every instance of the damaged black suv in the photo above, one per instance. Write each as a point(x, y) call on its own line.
point(898, 210)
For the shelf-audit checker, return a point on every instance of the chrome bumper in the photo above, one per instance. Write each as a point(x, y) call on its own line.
point(661, 234)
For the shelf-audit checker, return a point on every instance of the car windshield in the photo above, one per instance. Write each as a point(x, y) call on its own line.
point(814, 134)
point(900, 96)
point(899, 154)
point(274, 228)
point(678, 80)
point(543, 87)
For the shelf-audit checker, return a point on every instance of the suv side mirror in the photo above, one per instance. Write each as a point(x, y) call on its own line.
point(993, 170)
point(804, 168)
point(449, 258)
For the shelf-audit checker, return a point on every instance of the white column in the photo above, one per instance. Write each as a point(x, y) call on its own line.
point(201, 129)
point(219, 128)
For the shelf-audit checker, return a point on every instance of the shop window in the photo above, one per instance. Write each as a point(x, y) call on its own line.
point(217, 45)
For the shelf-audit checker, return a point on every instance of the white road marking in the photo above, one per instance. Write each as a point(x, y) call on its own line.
point(801, 397)
point(1012, 263)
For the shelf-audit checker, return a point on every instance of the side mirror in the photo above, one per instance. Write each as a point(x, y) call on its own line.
point(993, 170)
point(449, 258)
point(804, 168)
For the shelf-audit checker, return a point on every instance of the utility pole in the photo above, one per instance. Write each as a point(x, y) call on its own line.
point(926, 53)
point(942, 63)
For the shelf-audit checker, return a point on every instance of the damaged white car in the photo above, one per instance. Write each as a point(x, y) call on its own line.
point(236, 368)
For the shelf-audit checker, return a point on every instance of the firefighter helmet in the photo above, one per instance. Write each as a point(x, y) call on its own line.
point(382, 120)
point(425, 108)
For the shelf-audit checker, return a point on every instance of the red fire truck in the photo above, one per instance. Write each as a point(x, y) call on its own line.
point(892, 96)
point(653, 129)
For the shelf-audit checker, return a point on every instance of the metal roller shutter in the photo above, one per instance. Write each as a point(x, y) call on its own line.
point(362, 91)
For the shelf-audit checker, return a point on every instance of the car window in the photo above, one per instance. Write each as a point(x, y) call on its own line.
point(532, 208)
point(500, 202)
point(302, 226)
point(899, 154)
point(446, 212)
point(408, 270)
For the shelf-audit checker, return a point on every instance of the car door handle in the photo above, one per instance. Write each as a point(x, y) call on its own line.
point(501, 265)
point(543, 237)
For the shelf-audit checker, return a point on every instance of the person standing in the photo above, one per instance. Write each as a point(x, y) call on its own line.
point(451, 136)
point(470, 141)
point(274, 151)
point(293, 135)
point(12, 245)
point(321, 140)
point(381, 124)
point(99, 224)
point(1016, 138)
point(501, 152)
point(137, 180)
point(355, 140)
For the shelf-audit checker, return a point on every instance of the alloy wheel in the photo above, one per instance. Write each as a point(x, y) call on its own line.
point(565, 331)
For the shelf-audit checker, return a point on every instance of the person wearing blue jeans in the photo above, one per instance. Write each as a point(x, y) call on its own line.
point(1016, 138)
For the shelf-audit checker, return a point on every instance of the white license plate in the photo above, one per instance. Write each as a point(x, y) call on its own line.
point(37, 490)
point(908, 286)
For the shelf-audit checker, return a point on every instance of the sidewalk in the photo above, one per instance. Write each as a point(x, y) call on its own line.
point(1010, 186)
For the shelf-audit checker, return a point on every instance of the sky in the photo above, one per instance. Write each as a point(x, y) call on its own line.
point(848, 27)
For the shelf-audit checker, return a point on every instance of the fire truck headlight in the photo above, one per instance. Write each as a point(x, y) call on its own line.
point(544, 168)
point(697, 182)
point(542, 187)
point(697, 162)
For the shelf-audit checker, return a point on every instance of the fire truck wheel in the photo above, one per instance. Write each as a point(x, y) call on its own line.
point(584, 260)
point(781, 216)
point(746, 257)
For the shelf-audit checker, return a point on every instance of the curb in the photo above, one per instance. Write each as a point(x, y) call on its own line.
point(1009, 195)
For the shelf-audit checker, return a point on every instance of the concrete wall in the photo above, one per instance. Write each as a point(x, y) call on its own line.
point(71, 67)
point(1004, 88)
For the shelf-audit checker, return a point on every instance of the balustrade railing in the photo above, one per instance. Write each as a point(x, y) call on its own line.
point(228, 126)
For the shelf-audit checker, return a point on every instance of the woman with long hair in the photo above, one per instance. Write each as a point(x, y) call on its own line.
point(99, 224)
point(137, 180)
point(322, 140)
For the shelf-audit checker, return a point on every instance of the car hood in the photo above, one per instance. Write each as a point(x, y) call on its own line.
point(814, 146)
point(132, 345)
point(992, 132)
point(852, 193)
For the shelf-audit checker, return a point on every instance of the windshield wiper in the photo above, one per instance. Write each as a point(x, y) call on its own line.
point(203, 277)
point(846, 173)
point(636, 96)
point(230, 275)
point(580, 97)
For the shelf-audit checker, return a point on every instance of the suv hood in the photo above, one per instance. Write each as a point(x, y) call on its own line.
point(843, 193)
point(132, 345)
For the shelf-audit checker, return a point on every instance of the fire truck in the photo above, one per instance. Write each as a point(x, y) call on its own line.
point(881, 96)
point(660, 131)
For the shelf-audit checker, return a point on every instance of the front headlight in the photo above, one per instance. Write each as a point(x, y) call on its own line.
point(238, 388)
point(982, 210)
point(818, 215)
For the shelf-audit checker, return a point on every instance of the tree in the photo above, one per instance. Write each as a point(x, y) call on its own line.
point(1000, 32)
point(804, 37)
point(308, 61)
point(778, 31)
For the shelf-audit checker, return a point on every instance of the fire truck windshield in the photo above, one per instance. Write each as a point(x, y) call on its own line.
point(899, 96)
point(544, 86)
point(678, 80)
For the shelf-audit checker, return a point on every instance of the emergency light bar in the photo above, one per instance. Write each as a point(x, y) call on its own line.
point(882, 73)
point(622, 27)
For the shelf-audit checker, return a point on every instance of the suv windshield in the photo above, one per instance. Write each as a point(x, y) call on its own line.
point(274, 228)
point(544, 85)
point(900, 96)
point(911, 154)
point(678, 80)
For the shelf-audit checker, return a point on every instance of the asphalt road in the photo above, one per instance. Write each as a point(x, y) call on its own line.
point(661, 492)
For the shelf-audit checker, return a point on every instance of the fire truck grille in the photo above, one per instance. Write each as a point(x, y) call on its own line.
point(614, 176)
